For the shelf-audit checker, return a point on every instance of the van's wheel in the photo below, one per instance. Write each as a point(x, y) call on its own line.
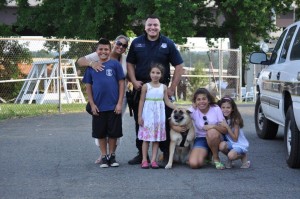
point(292, 140)
point(265, 129)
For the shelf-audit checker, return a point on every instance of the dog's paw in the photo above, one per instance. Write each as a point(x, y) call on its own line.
point(186, 144)
point(190, 138)
point(168, 166)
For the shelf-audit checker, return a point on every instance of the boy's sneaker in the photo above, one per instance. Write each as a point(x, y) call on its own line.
point(104, 162)
point(112, 160)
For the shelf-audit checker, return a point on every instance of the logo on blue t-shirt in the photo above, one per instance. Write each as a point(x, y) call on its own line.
point(109, 72)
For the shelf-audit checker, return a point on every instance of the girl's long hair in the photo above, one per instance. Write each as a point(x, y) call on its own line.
point(235, 116)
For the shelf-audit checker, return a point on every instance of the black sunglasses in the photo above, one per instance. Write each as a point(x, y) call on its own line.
point(205, 120)
point(118, 43)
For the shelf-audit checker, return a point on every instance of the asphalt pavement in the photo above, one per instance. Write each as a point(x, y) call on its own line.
point(53, 156)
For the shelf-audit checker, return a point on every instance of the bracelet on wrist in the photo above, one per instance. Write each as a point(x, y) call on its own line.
point(90, 64)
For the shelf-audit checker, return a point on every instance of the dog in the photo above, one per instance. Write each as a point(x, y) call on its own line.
point(180, 142)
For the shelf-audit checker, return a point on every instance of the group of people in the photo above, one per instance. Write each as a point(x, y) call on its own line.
point(147, 68)
point(218, 127)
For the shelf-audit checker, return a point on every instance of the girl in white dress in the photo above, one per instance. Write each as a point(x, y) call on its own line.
point(236, 146)
point(151, 115)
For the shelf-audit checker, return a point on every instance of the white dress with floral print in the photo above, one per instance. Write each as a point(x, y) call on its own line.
point(154, 128)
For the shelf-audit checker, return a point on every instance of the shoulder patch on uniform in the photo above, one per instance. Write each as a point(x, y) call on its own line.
point(164, 45)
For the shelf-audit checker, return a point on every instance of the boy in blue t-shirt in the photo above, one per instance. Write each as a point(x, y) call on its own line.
point(105, 90)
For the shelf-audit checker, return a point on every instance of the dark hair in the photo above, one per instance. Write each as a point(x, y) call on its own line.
point(210, 97)
point(235, 116)
point(104, 41)
point(160, 67)
point(152, 16)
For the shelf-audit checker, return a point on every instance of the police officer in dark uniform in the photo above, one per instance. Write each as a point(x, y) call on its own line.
point(153, 47)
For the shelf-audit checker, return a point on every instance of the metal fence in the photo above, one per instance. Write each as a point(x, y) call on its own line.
point(41, 75)
point(218, 70)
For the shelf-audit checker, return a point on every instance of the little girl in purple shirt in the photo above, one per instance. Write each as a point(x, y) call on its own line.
point(207, 116)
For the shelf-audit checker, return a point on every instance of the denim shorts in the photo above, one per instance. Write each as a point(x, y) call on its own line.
point(238, 150)
point(200, 142)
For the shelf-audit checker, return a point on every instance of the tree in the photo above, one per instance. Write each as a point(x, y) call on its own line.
point(3, 3)
point(245, 23)
point(90, 19)
point(195, 83)
point(6, 30)
point(176, 17)
point(12, 53)
point(41, 53)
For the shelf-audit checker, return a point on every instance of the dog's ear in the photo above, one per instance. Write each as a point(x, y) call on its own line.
point(188, 111)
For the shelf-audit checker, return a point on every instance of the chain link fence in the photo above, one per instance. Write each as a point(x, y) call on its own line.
point(39, 75)
point(218, 70)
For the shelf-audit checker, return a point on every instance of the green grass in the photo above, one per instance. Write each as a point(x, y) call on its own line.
point(8, 111)
point(182, 102)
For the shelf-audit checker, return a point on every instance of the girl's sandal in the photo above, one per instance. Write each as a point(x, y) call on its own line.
point(154, 165)
point(219, 166)
point(145, 165)
point(245, 165)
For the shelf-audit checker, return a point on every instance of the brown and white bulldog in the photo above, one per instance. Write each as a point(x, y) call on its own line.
point(180, 142)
